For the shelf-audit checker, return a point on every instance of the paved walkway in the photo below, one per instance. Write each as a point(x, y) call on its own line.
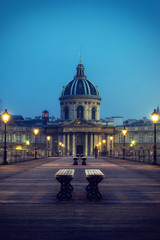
point(130, 208)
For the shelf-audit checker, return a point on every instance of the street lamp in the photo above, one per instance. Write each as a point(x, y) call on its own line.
point(155, 118)
point(5, 118)
point(124, 131)
point(111, 139)
point(48, 139)
point(36, 131)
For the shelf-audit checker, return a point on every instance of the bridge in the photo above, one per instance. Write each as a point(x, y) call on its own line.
point(129, 209)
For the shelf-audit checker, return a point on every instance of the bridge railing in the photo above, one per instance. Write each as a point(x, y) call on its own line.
point(14, 156)
point(144, 156)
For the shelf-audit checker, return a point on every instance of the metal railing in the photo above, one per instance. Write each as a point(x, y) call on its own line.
point(14, 156)
point(143, 156)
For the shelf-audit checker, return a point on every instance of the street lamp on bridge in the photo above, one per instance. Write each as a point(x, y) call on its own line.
point(5, 119)
point(48, 139)
point(155, 118)
point(36, 131)
point(124, 131)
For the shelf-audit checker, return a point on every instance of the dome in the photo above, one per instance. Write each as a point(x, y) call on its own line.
point(80, 86)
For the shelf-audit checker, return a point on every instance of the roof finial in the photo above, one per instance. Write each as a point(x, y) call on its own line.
point(80, 54)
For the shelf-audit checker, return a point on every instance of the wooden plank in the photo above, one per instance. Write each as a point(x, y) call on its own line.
point(65, 172)
point(93, 173)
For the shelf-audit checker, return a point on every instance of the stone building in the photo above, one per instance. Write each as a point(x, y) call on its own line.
point(80, 129)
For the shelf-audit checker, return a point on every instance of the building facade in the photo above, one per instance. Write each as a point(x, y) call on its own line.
point(80, 129)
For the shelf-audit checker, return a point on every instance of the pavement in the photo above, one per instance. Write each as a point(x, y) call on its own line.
point(129, 209)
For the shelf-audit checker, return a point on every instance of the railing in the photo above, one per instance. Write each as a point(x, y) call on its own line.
point(144, 156)
point(14, 156)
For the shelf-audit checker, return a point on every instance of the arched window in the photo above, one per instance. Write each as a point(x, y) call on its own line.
point(80, 112)
point(66, 113)
point(93, 113)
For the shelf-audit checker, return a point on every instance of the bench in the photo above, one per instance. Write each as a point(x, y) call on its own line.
point(75, 161)
point(83, 160)
point(65, 176)
point(93, 176)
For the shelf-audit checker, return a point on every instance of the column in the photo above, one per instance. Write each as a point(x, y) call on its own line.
point(86, 144)
point(68, 150)
point(91, 145)
point(59, 140)
point(73, 145)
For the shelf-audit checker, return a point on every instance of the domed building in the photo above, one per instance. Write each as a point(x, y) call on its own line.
point(80, 98)
point(80, 128)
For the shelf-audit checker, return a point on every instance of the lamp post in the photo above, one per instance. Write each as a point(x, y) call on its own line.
point(48, 139)
point(5, 118)
point(60, 150)
point(99, 148)
point(124, 131)
point(111, 139)
point(155, 118)
point(36, 131)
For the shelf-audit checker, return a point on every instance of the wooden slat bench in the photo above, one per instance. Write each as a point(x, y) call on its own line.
point(93, 176)
point(65, 176)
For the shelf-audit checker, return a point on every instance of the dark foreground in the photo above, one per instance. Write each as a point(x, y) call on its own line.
point(130, 208)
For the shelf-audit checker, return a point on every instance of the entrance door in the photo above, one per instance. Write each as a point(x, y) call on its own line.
point(79, 149)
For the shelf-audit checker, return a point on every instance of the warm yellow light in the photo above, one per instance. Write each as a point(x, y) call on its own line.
point(104, 141)
point(111, 138)
point(36, 131)
point(124, 131)
point(155, 116)
point(60, 143)
point(27, 142)
point(99, 143)
point(133, 142)
point(48, 138)
point(18, 148)
point(5, 116)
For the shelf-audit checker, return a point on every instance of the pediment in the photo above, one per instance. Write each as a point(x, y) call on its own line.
point(79, 123)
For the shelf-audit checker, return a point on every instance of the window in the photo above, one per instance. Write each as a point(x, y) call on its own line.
point(18, 138)
point(66, 113)
point(150, 137)
point(28, 137)
point(1, 137)
point(39, 138)
point(141, 136)
point(80, 112)
point(131, 137)
point(93, 113)
point(120, 138)
point(9, 137)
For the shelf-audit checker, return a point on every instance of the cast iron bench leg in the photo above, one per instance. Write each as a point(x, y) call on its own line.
point(93, 192)
point(66, 189)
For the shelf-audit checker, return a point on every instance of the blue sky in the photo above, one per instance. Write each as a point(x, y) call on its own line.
point(120, 45)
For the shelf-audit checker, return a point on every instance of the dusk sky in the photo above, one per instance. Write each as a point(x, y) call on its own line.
point(120, 44)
